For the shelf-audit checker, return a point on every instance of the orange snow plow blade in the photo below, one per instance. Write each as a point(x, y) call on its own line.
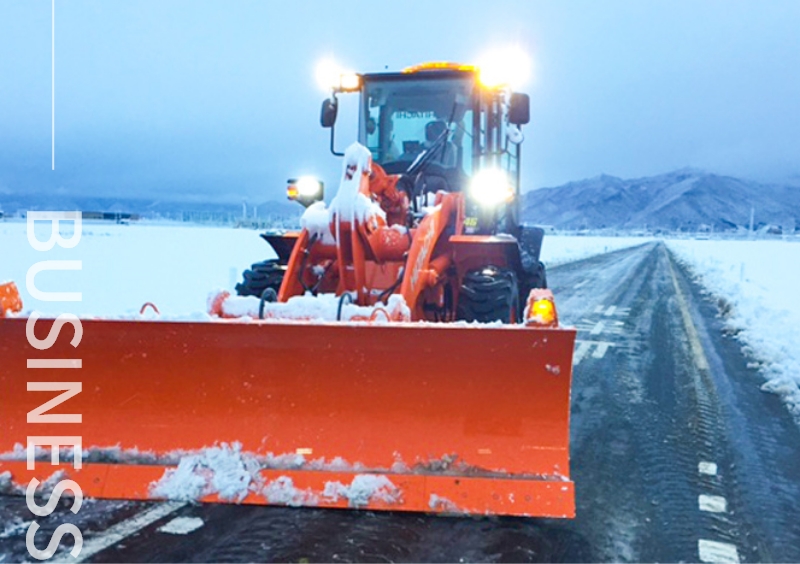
point(410, 417)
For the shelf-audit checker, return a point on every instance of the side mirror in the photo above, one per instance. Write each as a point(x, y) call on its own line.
point(327, 116)
point(519, 110)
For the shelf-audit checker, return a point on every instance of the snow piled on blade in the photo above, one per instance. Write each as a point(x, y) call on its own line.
point(282, 491)
point(323, 307)
point(757, 281)
point(221, 470)
point(7, 485)
point(350, 204)
point(439, 503)
point(362, 489)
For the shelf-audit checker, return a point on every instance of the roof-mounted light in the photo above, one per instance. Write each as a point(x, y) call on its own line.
point(507, 67)
point(438, 65)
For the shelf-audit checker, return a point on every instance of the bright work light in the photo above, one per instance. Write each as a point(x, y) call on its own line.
point(331, 76)
point(508, 67)
point(491, 187)
point(306, 190)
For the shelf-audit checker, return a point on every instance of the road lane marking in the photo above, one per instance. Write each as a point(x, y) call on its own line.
point(610, 311)
point(712, 503)
point(583, 347)
point(713, 551)
point(579, 284)
point(599, 309)
point(580, 351)
point(691, 331)
point(121, 531)
point(598, 328)
point(600, 350)
point(707, 468)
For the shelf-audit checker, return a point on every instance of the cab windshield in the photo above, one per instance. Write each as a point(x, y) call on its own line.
point(402, 117)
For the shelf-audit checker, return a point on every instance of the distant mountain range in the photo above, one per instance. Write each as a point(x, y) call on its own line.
point(686, 199)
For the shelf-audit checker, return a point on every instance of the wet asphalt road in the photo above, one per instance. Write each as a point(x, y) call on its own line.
point(659, 387)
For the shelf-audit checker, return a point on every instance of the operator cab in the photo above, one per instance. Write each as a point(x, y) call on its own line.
point(441, 129)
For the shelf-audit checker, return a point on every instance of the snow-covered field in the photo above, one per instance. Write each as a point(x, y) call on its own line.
point(124, 266)
point(176, 267)
point(760, 280)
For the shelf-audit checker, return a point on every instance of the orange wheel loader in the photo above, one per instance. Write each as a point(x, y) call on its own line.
point(401, 353)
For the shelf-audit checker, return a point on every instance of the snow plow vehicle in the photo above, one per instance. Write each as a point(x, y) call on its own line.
point(402, 352)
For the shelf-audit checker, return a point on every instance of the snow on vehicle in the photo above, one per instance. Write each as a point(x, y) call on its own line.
point(402, 353)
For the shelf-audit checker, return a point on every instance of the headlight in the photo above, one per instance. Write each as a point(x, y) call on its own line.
point(491, 187)
point(308, 186)
point(305, 190)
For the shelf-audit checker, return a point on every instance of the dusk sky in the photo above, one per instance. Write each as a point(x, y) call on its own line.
point(180, 97)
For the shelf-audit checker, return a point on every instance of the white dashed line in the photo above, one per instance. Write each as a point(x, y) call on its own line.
point(580, 284)
point(712, 503)
point(121, 531)
point(598, 328)
point(580, 351)
point(707, 468)
point(610, 311)
point(583, 347)
point(600, 350)
point(599, 309)
point(713, 551)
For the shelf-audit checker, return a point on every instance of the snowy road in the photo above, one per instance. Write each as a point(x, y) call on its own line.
point(676, 456)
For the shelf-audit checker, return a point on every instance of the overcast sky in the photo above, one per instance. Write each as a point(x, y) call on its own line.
point(219, 98)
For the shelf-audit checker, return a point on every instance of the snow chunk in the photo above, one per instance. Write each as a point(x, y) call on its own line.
point(8, 486)
point(283, 491)
point(439, 503)
point(350, 204)
point(362, 489)
point(181, 526)
point(317, 221)
point(221, 470)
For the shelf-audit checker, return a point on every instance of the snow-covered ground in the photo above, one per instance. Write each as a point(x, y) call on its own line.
point(760, 280)
point(124, 266)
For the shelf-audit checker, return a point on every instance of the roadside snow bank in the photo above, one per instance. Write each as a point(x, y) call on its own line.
point(759, 279)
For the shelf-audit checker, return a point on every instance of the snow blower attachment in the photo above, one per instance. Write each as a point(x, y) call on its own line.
point(402, 354)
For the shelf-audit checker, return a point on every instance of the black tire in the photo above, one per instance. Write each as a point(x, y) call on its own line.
point(260, 276)
point(539, 279)
point(489, 294)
